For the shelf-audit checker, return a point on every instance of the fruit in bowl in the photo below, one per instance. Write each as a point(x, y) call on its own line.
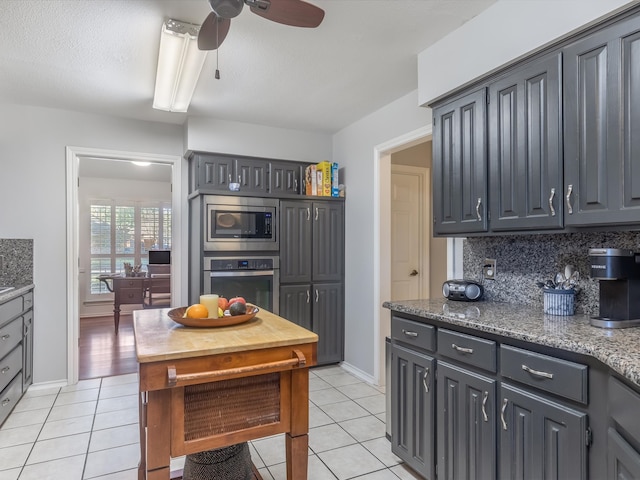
point(197, 310)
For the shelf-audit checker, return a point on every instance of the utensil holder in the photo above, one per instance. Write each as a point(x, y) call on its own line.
point(559, 302)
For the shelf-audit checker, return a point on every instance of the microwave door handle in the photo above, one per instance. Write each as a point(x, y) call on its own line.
point(250, 273)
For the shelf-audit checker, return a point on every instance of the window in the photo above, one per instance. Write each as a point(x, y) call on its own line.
point(125, 232)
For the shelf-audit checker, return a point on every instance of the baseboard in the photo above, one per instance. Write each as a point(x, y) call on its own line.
point(46, 385)
point(358, 373)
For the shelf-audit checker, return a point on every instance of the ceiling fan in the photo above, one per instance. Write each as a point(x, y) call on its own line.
point(296, 13)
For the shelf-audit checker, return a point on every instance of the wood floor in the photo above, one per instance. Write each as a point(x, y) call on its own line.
point(101, 352)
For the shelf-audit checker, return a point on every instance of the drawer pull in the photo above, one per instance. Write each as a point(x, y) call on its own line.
point(505, 402)
point(485, 397)
point(537, 373)
point(298, 360)
point(551, 209)
point(425, 380)
point(569, 206)
point(6, 401)
point(409, 333)
point(461, 349)
point(5, 370)
point(5, 337)
point(478, 209)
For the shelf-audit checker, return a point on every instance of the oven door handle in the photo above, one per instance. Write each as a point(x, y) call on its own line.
point(248, 273)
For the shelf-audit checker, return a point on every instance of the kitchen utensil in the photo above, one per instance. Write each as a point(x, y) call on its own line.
point(559, 280)
point(568, 271)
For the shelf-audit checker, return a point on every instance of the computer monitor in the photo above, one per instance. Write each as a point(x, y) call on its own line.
point(159, 257)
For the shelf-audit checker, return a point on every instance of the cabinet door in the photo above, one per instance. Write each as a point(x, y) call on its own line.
point(285, 177)
point(295, 304)
point(251, 175)
point(27, 350)
point(213, 172)
point(525, 150)
point(460, 165)
point(412, 408)
point(328, 241)
point(540, 438)
point(328, 321)
point(623, 461)
point(601, 108)
point(466, 424)
point(295, 242)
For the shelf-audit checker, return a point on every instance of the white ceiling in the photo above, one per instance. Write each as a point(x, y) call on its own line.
point(100, 56)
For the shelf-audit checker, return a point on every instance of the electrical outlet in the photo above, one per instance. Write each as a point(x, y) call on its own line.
point(489, 269)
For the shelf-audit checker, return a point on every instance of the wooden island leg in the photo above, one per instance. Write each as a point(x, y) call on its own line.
point(158, 437)
point(297, 440)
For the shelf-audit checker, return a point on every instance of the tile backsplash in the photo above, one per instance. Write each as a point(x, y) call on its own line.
point(17, 262)
point(523, 260)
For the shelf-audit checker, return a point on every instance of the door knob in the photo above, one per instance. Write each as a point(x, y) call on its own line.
point(413, 273)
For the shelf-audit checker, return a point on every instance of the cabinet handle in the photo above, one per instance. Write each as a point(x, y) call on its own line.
point(569, 207)
point(409, 333)
point(478, 209)
point(553, 210)
point(502, 410)
point(5, 337)
point(317, 295)
point(537, 373)
point(425, 379)
point(485, 397)
point(6, 401)
point(295, 185)
point(308, 213)
point(316, 219)
point(461, 349)
point(5, 370)
point(308, 296)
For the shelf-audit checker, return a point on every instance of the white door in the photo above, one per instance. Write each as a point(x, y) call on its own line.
point(409, 242)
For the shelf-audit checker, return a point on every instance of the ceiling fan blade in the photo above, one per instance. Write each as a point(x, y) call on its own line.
point(213, 32)
point(296, 13)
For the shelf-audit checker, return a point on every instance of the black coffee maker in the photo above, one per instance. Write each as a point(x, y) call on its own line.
point(619, 273)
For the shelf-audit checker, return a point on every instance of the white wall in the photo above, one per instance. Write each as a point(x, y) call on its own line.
point(33, 202)
point(505, 31)
point(353, 148)
point(221, 136)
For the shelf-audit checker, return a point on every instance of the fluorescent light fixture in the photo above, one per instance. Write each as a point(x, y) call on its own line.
point(179, 66)
point(141, 164)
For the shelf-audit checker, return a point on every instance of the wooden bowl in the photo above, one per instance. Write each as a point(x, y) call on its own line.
point(176, 314)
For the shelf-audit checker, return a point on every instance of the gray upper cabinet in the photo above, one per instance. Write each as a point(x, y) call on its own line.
point(286, 177)
point(602, 138)
point(252, 175)
point(460, 165)
point(525, 151)
point(211, 172)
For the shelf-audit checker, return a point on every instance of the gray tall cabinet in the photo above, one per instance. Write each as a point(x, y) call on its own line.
point(312, 271)
point(547, 143)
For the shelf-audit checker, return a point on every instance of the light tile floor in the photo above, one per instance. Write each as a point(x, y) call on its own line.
point(90, 431)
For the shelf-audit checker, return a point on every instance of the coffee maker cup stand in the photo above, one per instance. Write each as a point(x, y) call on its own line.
point(619, 273)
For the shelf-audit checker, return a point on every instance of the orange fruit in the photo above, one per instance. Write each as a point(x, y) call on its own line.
point(197, 310)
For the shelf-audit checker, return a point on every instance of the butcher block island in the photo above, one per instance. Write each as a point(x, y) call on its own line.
point(208, 388)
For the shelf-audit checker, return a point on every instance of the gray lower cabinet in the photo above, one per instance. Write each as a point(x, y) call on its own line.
point(466, 429)
point(16, 351)
point(460, 165)
point(540, 438)
point(623, 442)
point(623, 461)
point(413, 409)
point(601, 136)
point(525, 148)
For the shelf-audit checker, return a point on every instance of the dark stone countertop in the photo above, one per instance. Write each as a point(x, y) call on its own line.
point(617, 348)
point(16, 292)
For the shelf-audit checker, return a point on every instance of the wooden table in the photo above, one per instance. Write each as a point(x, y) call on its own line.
point(207, 388)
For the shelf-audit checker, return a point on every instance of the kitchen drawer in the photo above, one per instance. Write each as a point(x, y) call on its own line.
point(10, 309)
point(474, 351)
point(550, 374)
point(9, 397)
point(413, 333)
point(624, 405)
point(131, 295)
point(10, 366)
point(10, 335)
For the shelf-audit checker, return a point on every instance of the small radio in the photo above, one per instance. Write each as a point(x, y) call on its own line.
point(462, 290)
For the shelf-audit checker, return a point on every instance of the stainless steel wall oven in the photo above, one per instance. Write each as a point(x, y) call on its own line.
point(255, 277)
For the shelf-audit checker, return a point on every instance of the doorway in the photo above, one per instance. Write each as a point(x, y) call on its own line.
point(75, 274)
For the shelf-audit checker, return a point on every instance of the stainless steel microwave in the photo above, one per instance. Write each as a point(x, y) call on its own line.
point(241, 223)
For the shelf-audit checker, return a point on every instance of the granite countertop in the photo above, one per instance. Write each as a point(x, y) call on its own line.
point(618, 348)
point(16, 292)
point(159, 338)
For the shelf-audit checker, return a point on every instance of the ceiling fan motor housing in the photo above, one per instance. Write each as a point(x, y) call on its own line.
point(227, 8)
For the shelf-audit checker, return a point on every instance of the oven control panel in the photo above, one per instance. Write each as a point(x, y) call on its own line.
point(231, 264)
